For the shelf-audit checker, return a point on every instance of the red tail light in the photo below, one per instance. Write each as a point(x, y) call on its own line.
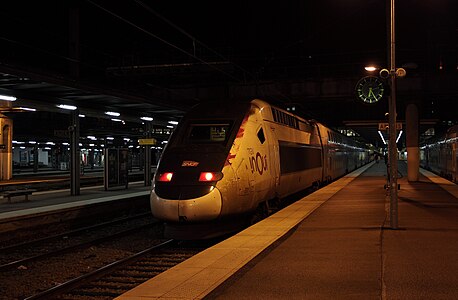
point(166, 177)
point(210, 176)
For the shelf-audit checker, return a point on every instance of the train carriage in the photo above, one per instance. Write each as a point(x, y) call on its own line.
point(225, 163)
point(440, 155)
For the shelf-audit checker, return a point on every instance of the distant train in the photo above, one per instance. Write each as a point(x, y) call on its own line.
point(440, 155)
point(227, 163)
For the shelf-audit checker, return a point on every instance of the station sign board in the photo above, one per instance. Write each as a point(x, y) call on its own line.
point(147, 141)
point(386, 126)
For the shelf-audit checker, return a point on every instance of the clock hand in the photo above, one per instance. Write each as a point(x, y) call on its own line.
point(371, 92)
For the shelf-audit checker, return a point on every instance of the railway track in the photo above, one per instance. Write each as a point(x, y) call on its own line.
point(30, 267)
point(47, 247)
point(118, 277)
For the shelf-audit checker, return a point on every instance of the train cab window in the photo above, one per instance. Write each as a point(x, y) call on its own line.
point(209, 133)
point(261, 136)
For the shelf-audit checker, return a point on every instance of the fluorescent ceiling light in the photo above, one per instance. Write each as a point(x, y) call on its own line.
point(7, 98)
point(68, 107)
point(116, 120)
point(112, 113)
point(173, 122)
point(82, 116)
point(147, 119)
point(399, 136)
point(27, 108)
point(110, 138)
point(383, 139)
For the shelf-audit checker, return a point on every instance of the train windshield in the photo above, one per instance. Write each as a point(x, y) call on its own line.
point(209, 133)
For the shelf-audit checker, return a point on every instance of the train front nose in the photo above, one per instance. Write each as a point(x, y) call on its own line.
point(202, 208)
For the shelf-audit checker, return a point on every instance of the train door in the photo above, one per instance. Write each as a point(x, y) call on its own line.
point(274, 158)
point(320, 138)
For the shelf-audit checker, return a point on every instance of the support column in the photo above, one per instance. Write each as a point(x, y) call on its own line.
point(413, 151)
point(74, 39)
point(75, 154)
point(147, 155)
point(35, 158)
point(6, 148)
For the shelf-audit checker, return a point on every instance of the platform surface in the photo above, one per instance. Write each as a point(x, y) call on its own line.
point(333, 244)
point(53, 200)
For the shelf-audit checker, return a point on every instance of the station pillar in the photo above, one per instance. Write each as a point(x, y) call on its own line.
point(75, 154)
point(413, 151)
point(147, 156)
point(6, 148)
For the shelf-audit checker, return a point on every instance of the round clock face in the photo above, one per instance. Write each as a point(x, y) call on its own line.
point(370, 89)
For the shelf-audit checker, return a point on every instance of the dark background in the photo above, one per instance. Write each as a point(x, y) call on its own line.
point(162, 57)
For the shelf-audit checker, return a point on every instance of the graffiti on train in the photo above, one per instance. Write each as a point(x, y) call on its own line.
point(258, 163)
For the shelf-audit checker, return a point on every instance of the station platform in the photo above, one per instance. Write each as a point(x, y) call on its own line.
point(333, 244)
point(54, 200)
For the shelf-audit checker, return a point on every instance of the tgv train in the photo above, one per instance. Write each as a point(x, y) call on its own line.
point(224, 163)
point(440, 155)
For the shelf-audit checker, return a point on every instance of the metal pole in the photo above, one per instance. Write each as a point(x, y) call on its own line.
point(147, 156)
point(75, 159)
point(393, 153)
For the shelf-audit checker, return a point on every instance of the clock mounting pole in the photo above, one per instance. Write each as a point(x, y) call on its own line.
point(393, 153)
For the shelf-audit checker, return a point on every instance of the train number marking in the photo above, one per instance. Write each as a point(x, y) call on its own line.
point(189, 163)
point(258, 163)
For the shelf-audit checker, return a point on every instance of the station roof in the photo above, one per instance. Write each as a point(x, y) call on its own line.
point(158, 59)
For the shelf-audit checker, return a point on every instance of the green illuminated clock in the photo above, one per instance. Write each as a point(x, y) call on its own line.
point(370, 89)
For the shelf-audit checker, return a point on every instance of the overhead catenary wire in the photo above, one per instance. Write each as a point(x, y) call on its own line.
point(194, 40)
point(162, 40)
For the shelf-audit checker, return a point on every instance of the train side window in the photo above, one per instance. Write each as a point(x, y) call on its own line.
point(261, 136)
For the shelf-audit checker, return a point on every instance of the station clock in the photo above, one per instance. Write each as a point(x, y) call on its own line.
point(370, 89)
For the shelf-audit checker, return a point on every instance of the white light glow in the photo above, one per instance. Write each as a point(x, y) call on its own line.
point(370, 68)
point(110, 138)
point(67, 107)
point(399, 136)
point(117, 120)
point(112, 113)
point(147, 119)
point(7, 98)
point(82, 116)
point(173, 122)
point(27, 108)
point(383, 139)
